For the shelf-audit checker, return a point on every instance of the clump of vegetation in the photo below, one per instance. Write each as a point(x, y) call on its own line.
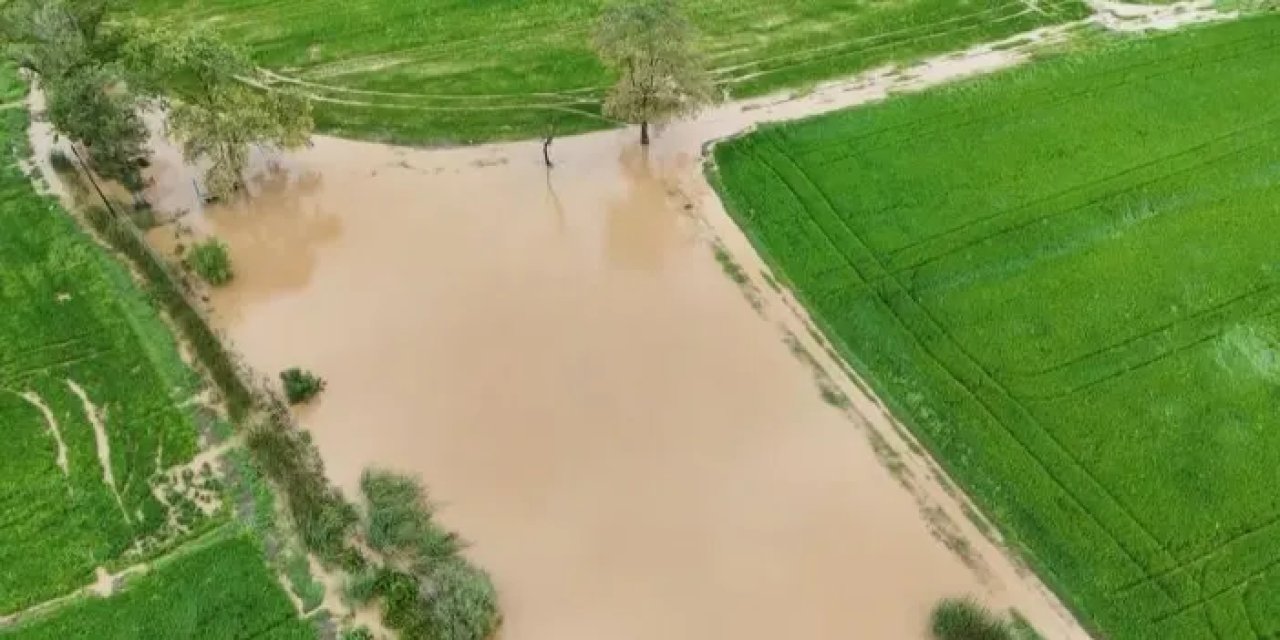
point(428, 590)
point(398, 520)
point(210, 260)
point(324, 520)
point(300, 385)
point(964, 619)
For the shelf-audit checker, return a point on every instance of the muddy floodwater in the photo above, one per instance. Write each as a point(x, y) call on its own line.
point(631, 446)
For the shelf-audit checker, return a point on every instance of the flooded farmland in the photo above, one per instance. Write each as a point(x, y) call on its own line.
point(624, 434)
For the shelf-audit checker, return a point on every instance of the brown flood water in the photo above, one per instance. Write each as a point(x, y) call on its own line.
point(631, 448)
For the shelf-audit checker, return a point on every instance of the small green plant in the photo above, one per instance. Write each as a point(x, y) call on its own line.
point(210, 260)
point(964, 619)
point(301, 385)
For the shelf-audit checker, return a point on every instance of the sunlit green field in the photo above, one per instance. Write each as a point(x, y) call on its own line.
point(73, 322)
point(215, 592)
point(1065, 279)
point(460, 70)
point(94, 403)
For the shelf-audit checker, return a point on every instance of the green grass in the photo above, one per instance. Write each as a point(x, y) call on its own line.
point(1064, 278)
point(220, 592)
point(71, 313)
point(436, 71)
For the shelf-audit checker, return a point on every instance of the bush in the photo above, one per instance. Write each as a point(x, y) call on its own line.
point(398, 519)
point(301, 385)
point(964, 619)
point(461, 601)
point(209, 259)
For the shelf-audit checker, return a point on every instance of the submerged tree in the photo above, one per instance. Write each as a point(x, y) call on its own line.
point(217, 108)
point(652, 48)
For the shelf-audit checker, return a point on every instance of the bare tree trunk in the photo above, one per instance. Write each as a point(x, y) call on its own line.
point(644, 132)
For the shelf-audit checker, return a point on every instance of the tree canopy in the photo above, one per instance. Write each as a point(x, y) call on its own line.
point(68, 43)
point(217, 108)
point(98, 73)
point(653, 49)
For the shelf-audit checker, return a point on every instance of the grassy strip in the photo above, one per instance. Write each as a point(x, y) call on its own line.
point(1062, 279)
point(468, 72)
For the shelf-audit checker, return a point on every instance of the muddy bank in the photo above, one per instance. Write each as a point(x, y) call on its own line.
point(633, 448)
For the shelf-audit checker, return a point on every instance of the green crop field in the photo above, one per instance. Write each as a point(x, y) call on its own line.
point(74, 324)
point(92, 397)
point(1065, 278)
point(461, 70)
point(217, 592)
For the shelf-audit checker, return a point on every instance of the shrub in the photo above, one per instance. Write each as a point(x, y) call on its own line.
point(300, 385)
point(209, 259)
point(398, 519)
point(964, 619)
point(461, 601)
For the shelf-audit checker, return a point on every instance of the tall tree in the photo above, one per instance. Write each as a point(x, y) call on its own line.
point(69, 44)
point(218, 108)
point(92, 107)
point(653, 50)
